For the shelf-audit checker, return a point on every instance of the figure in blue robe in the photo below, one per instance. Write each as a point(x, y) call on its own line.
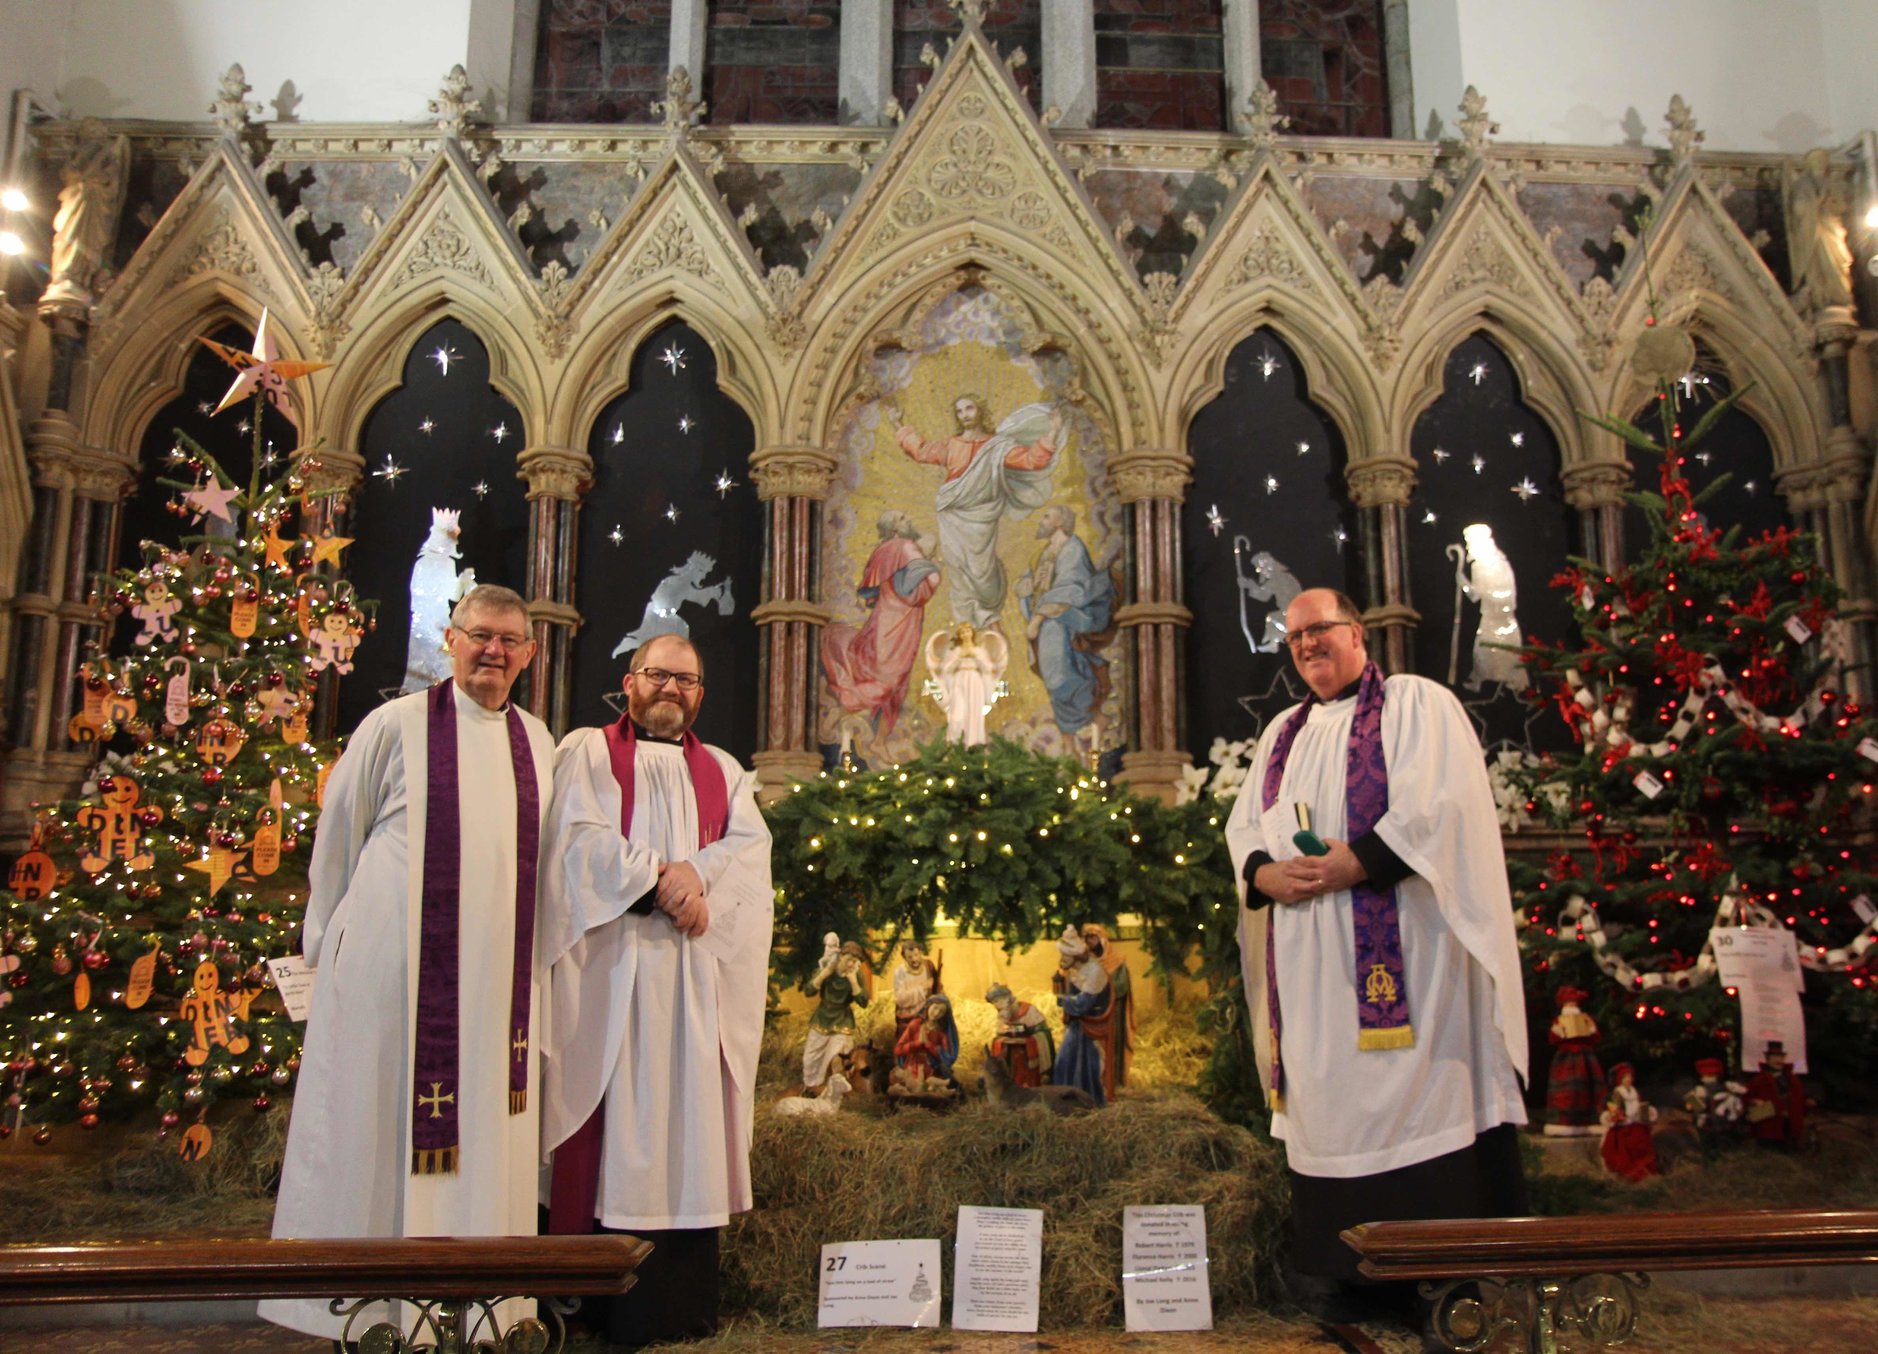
point(1082, 990)
point(1068, 604)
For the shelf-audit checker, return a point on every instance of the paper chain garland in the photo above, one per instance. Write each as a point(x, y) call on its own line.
point(1732, 910)
point(1613, 727)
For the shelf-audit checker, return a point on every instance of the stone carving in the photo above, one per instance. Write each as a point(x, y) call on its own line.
point(672, 246)
point(231, 109)
point(223, 249)
point(1684, 136)
point(973, 170)
point(444, 246)
point(455, 110)
point(1269, 259)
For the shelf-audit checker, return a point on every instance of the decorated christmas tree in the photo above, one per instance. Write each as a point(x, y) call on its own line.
point(140, 922)
point(1721, 778)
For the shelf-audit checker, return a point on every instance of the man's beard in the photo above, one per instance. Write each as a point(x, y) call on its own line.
point(663, 719)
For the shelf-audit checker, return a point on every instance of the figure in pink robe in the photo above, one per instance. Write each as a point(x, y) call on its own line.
point(868, 667)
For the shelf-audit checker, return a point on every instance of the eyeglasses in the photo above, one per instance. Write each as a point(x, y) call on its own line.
point(481, 638)
point(1296, 640)
point(658, 677)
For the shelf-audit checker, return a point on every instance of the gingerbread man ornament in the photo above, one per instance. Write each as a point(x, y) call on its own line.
point(119, 824)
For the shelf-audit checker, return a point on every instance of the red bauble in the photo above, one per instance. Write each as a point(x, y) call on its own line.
point(212, 775)
point(170, 1119)
point(6, 1131)
point(42, 1135)
point(261, 1104)
point(87, 1121)
point(17, 978)
point(94, 959)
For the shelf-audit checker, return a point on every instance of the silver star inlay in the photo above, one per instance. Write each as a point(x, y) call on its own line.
point(1704, 456)
point(1480, 463)
point(428, 426)
point(1271, 484)
point(389, 471)
point(671, 513)
point(176, 456)
point(1215, 520)
point(499, 432)
point(1268, 363)
point(206, 407)
point(686, 423)
point(1339, 536)
point(723, 483)
point(616, 535)
point(1517, 439)
point(443, 357)
point(674, 358)
point(480, 488)
point(1525, 489)
point(1478, 372)
point(1753, 487)
point(619, 433)
point(244, 427)
point(1440, 455)
point(1304, 448)
point(1428, 518)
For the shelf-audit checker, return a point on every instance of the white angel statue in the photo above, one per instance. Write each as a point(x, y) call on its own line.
point(968, 668)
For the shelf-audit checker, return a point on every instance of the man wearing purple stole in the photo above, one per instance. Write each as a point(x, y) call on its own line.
point(414, 1115)
point(1383, 975)
point(657, 928)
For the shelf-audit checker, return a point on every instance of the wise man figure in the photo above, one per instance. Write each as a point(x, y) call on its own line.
point(414, 1115)
point(660, 973)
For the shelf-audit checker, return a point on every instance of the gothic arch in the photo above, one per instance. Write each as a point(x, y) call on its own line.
point(889, 296)
point(1551, 379)
point(146, 370)
point(600, 367)
point(374, 363)
point(1335, 370)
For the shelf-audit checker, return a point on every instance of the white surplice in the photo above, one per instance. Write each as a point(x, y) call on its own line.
point(347, 1171)
point(665, 1027)
point(1349, 1112)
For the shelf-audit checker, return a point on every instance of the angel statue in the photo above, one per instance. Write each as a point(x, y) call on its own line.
point(968, 670)
point(1484, 575)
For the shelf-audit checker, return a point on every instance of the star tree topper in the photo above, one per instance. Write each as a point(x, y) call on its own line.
point(263, 369)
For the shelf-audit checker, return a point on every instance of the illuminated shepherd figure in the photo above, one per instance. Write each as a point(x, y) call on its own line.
point(681, 585)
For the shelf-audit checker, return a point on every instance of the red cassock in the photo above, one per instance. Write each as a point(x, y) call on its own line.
point(868, 667)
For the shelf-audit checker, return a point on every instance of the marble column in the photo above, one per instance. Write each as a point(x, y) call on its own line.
point(76, 492)
point(866, 76)
point(1596, 490)
point(1848, 470)
point(1069, 61)
point(1380, 487)
point(1239, 42)
point(792, 484)
point(557, 477)
point(1152, 485)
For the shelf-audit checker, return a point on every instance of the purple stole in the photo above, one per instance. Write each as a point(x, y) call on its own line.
point(575, 1187)
point(435, 1073)
point(1382, 1013)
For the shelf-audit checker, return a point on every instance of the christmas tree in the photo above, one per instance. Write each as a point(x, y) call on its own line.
point(140, 921)
point(1720, 778)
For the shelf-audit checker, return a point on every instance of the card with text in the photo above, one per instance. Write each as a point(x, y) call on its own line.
point(879, 1283)
point(998, 1269)
point(1164, 1268)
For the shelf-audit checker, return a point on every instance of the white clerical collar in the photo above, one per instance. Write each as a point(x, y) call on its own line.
point(469, 705)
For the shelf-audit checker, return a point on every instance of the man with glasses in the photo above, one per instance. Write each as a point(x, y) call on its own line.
point(418, 1100)
point(1379, 958)
point(658, 933)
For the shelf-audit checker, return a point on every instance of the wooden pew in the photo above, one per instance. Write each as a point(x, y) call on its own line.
point(452, 1283)
point(1547, 1277)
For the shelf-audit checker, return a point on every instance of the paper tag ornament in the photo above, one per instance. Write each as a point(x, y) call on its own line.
point(1866, 912)
point(81, 992)
point(265, 857)
point(244, 611)
point(1868, 749)
point(208, 1010)
point(334, 641)
point(1798, 629)
point(119, 824)
point(293, 725)
point(197, 1140)
point(176, 694)
point(32, 875)
point(142, 979)
point(220, 741)
point(1647, 785)
point(218, 863)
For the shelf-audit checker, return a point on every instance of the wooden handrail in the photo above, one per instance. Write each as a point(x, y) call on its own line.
point(433, 1268)
point(1615, 1243)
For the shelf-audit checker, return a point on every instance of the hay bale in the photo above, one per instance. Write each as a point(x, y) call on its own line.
point(853, 1177)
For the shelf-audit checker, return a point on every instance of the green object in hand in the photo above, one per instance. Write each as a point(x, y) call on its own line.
point(1304, 839)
